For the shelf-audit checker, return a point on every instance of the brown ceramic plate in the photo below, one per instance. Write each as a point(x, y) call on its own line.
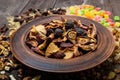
point(31, 59)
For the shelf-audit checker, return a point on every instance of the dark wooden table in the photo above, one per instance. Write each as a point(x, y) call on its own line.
point(15, 7)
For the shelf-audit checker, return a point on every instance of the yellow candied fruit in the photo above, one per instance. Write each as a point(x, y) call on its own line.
point(106, 16)
point(117, 24)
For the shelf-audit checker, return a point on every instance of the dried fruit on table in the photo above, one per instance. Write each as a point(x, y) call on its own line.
point(3, 77)
point(1, 65)
point(12, 24)
point(4, 48)
point(111, 75)
point(27, 78)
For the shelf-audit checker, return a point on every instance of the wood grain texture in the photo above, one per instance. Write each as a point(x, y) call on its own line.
point(67, 3)
point(10, 7)
point(115, 7)
point(41, 4)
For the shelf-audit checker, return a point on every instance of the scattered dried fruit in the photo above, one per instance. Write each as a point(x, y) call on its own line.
point(3, 77)
point(111, 75)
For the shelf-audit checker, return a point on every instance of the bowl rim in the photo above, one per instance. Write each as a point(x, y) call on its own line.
point(27, 57)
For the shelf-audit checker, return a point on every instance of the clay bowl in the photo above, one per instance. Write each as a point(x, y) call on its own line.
point(28, 57)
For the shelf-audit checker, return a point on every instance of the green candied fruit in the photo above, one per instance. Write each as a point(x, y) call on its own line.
point(102, 21)
point(106, 24)
point(81, 12)
point(72, 11)
point(116, 18)
point(90, 9)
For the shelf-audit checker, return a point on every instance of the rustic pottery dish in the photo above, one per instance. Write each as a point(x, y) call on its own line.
point(28, 57)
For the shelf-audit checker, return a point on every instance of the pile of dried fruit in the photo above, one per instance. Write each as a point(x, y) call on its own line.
point(62, 39)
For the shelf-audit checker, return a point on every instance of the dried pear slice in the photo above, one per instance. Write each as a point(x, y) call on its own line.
point(76, 51)
point(71, 35)
point(82, 40)
point(41, 28)
point(89, 47)
point(33, 33)
point(68, 54)
point(52, 48)
point(32, 42)
point(92, 31)
point(41, 46)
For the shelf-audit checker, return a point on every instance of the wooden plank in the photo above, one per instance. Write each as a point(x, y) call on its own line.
point(40, 4)
point(67, 3)
point(104, 4)
point(10, 7)
point(115, 7)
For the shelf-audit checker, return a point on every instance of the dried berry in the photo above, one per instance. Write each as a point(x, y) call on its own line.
point(80, 32)
point(58, 32)
point(69, 24)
